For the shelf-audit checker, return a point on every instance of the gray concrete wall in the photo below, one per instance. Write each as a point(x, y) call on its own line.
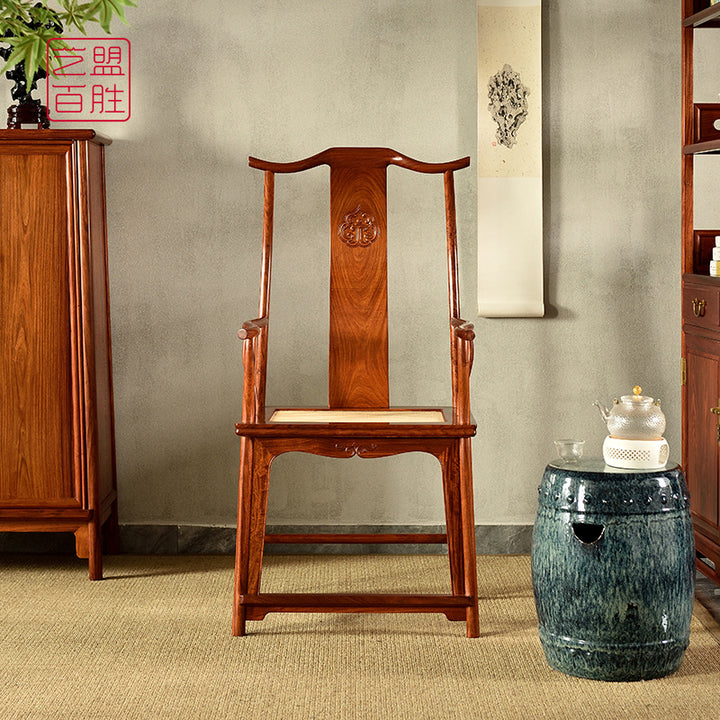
point(216, 81)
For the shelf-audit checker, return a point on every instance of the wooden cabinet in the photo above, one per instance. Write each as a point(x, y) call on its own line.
point(57, 450)
point(700, 306)
point(702, 453)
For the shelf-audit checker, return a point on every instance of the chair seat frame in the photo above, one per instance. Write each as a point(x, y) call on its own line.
point(357, 177)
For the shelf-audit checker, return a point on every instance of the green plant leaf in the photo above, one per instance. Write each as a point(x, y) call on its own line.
point(29, 43)
point(75, 15)
point(27, 52)
point(12, 27)
point(14, 19)
point(43, 15)
point(15, 57)
point(53, 51)
point(103, 11)
point(14, 11)
point(33, 58)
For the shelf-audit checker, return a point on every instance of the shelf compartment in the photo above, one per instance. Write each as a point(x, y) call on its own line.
point(703, 244)
point(707, 16)
point(706, 125)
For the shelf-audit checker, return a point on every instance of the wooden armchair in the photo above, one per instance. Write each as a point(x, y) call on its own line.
point(358, 419)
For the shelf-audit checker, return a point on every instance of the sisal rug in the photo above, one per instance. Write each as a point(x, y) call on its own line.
point(153, 640)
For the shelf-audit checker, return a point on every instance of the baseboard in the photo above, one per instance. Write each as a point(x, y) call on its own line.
point(147, 539)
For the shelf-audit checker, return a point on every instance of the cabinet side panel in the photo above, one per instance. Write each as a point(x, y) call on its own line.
point(703, 391)
point(35, 354)
point(97, 241)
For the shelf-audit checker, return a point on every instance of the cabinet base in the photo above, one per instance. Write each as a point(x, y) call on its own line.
point(87, 526)
point(707, 553)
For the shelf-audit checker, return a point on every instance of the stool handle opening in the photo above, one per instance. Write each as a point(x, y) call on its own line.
point(587, 533)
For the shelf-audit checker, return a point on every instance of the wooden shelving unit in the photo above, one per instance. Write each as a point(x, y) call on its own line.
point(700, 308)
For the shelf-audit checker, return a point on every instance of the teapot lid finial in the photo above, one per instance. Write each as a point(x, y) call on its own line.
point(637, 390)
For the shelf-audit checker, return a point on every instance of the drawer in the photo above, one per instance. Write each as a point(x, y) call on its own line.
point(701, 306)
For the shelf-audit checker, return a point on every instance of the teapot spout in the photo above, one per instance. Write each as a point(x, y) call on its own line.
point(603, 411)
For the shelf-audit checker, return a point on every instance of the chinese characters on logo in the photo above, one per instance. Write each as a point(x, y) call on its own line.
point(89, 80)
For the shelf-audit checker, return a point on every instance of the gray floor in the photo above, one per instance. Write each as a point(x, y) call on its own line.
point(708, 593)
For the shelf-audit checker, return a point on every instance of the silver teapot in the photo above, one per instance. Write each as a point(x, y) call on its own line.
point(634, 417)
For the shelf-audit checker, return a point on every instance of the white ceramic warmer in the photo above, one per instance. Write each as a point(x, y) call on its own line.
point(635, 425)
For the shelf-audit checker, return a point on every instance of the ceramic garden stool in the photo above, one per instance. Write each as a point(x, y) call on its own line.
point(613, 569)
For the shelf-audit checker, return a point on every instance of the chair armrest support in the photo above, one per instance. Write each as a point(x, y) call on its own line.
point(251, 328)
point(462, 330)
point(462, 335)
point(253, 333)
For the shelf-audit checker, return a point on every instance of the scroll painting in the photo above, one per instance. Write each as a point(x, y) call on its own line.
point(510, 212)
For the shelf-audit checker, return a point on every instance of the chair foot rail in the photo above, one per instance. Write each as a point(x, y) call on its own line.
point(257, 606)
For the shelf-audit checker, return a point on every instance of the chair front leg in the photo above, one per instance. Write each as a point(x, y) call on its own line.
point(252, 514)
point(262, 460)
point(243, 535)
point(450, 462)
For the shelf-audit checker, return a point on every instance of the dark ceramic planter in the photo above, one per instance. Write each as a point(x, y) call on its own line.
point(613, 568)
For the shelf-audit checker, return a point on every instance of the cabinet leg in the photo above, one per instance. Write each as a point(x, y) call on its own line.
point(88, 544)
point(95, 547)
point(82, 545)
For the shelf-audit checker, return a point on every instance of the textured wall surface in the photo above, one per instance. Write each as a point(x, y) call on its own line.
point(214, 82)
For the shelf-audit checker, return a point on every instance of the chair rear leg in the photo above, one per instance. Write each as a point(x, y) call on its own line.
point(468, 531)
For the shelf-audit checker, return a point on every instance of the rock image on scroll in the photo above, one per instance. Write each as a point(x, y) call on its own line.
point(508, 104)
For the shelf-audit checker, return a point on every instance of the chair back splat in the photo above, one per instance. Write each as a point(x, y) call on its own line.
point(358, 419)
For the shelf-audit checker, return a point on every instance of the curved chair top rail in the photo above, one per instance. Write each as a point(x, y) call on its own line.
point(381, 157)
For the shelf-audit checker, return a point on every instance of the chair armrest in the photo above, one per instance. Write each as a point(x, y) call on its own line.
point(251, 328)
point(462, 329)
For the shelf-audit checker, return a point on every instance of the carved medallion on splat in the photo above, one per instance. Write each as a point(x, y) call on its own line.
point(358, 229)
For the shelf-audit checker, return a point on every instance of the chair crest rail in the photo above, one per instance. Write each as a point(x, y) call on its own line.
point(382, 157)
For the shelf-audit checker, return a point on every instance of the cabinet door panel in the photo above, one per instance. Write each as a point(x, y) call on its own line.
point(703, 393)
point(35, 353)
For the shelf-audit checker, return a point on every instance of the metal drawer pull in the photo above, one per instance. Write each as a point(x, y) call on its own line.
point(698, 307)
point(716, 411)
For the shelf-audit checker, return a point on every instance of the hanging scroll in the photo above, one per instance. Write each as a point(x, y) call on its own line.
point(510, 217)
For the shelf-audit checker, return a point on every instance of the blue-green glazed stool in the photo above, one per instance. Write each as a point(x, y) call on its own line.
point(613, 569)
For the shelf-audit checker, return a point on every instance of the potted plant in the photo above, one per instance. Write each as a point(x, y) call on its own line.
point(26, 27)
